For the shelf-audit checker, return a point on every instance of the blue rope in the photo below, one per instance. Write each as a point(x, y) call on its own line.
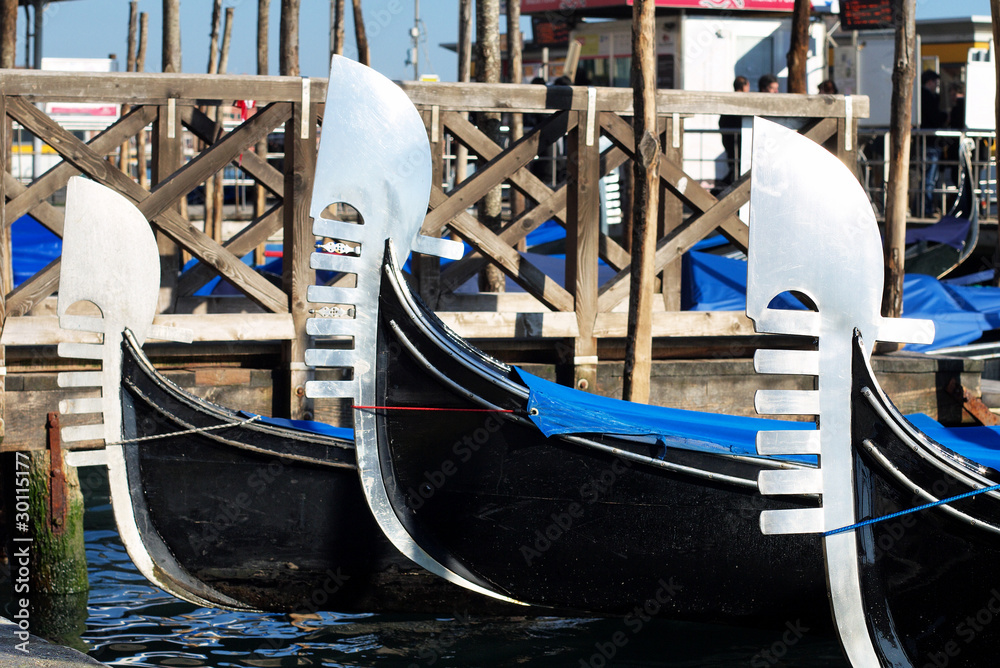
point(912, 510)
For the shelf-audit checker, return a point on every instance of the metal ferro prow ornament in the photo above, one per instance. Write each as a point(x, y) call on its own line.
point(813, 231)
point(374, 156)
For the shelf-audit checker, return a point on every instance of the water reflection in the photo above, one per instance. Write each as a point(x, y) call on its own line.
point(132, 623)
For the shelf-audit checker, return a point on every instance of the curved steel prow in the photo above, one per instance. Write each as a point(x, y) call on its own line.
point(110, 259)
point(373, 155)
point(813, 231)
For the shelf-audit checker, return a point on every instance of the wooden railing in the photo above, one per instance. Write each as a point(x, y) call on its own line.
point(582, 311)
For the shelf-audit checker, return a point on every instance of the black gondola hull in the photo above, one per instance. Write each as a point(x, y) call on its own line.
point(930, 580)
point(554, 523)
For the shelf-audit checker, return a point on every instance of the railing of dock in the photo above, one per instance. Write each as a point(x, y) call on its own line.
point(594, 125)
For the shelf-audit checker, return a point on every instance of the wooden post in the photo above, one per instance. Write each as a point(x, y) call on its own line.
point(995, 14)
point(212, 220)
point(171, 35)
point(798, 49)
point(336, 28)
point(5, 259)
point(515, 74)
point(8, 33)
point(428, 267)
point(364, 54)
point(899, 156)
point(133, 29)
point(259, 192)
point(213, 44)
point(639, 342)
point(57, 562)
point(671, 211)
point(140, 66)
point(464, 75)
point(288, 43)
point(217, 188)
point(300, 167)
point(167, 156)
point(491, 279)
point(583, 211)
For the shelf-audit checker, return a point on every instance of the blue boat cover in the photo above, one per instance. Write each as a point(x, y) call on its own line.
point(307, 426)
point(556, 409)
point(960, 313)
point(949, 230)
point(33, 246)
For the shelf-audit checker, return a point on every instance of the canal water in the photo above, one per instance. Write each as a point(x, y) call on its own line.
point(131, 623)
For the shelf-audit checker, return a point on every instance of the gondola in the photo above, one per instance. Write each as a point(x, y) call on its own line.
point(526, 492)
point(550, 499)
point(938, 249)
point(219, 507)
point(909, 566)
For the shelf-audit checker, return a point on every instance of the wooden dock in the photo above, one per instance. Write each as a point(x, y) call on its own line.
point(186, 150)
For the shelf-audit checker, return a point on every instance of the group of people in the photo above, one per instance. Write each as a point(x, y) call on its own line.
point(933, 116)
point(767, 83)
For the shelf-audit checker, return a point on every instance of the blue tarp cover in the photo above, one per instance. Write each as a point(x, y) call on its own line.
point(960, 313)
point(563, 410)
point(305, 425)
point(949, 230)
point(556, 409)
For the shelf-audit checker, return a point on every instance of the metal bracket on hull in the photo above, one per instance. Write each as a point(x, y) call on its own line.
point(812, 231)
point(374, 156)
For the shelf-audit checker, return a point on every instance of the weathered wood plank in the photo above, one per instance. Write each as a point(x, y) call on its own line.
point(486, 325)
point(491, 175)
point(476, 141)
point(671, 214)
point(44, 330)
point(202, 127)
point(209, 162)
point(683, 186)
point(200, 89)
point(679, 323)
point(583, 208)
point(255, 286)
point(549, 325)
point(528, 98)
point(187, 89)
point(299, 243)
point(103, 144)
point(43, 212)
point(45, 282)
point(257, 232)
point(527, 275)
point(678, 241)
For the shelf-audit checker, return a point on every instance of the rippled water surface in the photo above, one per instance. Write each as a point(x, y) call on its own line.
point(132, 623)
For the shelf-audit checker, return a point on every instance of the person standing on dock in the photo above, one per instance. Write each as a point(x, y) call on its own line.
point(931, 118)
point(730, 125)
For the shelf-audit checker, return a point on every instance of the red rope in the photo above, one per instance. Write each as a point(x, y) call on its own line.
point(429, 408)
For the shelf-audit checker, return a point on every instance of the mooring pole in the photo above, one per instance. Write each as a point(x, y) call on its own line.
point(897, 190)
point(57, 571)
point(645, 173)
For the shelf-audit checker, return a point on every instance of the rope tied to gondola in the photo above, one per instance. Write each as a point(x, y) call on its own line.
point(942, 502)
point(183, 432)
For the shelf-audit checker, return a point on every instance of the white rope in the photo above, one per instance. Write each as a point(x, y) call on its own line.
point(195, 430)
